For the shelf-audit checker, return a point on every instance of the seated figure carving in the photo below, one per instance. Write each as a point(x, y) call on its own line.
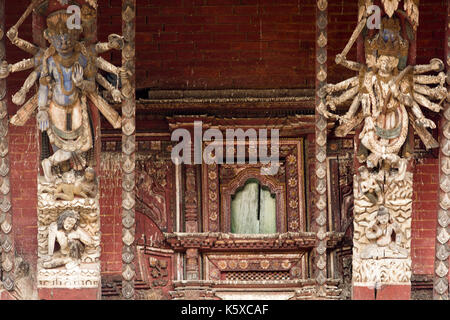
point(382, 232)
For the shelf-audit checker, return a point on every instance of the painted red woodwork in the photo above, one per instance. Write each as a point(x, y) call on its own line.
point(363, 293)
point(391, 292)
point(69, 294)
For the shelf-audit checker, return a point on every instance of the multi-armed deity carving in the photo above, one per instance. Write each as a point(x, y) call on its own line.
point(66, 74)
point(385, 104)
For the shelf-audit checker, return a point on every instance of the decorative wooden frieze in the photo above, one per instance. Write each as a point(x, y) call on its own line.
point(442, 252)
point(6, 219)
point(128, 149)
point(321, 150)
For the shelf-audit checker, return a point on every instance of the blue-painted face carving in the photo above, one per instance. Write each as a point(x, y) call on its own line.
point(388, 35)
point(63, 43)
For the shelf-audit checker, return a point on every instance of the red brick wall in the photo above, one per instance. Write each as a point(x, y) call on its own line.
point(22, 149)
point(425, 207)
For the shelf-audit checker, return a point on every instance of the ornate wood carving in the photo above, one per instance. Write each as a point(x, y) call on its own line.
point(321, 149)
point(290, 176)
point(128, 150)
point(155, 192)
point(252, 267)
point(6, 219)
point(441, 264)
point(211, 206)
point(390, 93)
point(191, 199)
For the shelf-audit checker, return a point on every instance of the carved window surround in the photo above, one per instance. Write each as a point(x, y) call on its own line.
point(288, 185)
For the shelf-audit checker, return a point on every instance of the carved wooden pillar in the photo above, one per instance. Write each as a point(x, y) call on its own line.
point(441, 264)
point(190, 199)
point(128, 151)
point(6, 223)
point(191, 221)
point(321, 150)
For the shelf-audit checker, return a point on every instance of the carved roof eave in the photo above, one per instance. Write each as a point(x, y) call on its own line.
point(225, 241)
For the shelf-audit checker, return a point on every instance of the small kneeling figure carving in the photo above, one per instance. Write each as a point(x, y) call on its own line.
point(71, 238)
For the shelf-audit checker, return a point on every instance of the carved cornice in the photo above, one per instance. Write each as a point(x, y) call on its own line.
point(225, 242)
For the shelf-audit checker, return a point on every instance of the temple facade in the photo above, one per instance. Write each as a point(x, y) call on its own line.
point(224, 149)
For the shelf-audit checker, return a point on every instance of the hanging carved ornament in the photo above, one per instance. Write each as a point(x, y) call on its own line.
point(128, 165)
point(128, 183)
point(322, 41)
point(322, 4)
point(2, 92)
point(321, 279)
point(442, 253)
point(7, 263)
point(128, 126)
point(444, 201)
point(322, 75)
point(321, 220)
point(3, 129)
point(128, 237)
point(446, 130)
point(443, 218)
point(8, 283)
point(3, 109)
point(7, 245)
point(442, 269)
point(321, 186)
point(128, 221)
point(441, 285)
point(128, 202)
point(321, 248)
point(445, 183)
point(5, 205)
point(321, 204)
point(322, 22)
point(6, 226)
point(321, 172)
point(128, 256)
point(321, 156)
point(443, 236)
point(128, 273)
point(4, 148)
point(5, 187)
point(445, 165)
point(321, 235)
point(322, 57)
point(128, 14)
point(128, 110)
point(129, 146)
point(127, 290)
point(321, 263)
point(321, 138)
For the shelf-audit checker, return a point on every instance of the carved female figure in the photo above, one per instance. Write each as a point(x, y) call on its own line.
point(71, 239)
